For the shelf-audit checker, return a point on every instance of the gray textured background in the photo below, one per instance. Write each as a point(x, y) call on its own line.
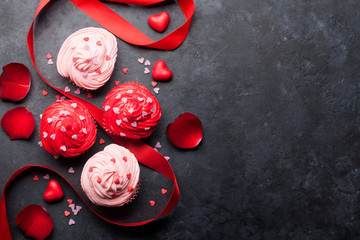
point(276, 85)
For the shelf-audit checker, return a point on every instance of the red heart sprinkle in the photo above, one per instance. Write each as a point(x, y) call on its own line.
point(159, 22)
point(15, 82)
point(45, 92)
point(98, 43)
point(70, 201)
point(128, 175)
point(163, 191)
point(75, 59)
point(91, 169)
point(98, 179)
point(125, 159)
point(107, 57)
point(102, 141)
point(89, 95)
point(117, 83)
point(153, 83)
point(57, 97)
point(160, 72)
point(116, 180)
point(152, 203)
point(18, 123)
point(48, 56)
point(53, 192)
point(185, 131)
point(35, 222)
point(130, 188)
point(86, 39)
point(98, 71)
point(125, 70)
point(113, 160)
point(66, 213)
point(36, 178)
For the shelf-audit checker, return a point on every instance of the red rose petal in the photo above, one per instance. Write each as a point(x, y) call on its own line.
point(53, 192)
point(185, 131)
point(152, 203)
point(45, 92)
point(102, 141)
point(161, 72)
point(117, 83)
point(15, 82)
point(125, 70)
point(35, 222)
point(18, 123)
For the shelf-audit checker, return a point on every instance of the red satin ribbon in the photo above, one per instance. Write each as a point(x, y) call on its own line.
point(127, 32)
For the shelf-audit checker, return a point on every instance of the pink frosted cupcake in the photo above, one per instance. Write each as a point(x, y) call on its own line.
point(88, 57)
point(131, 110)
point(111, 177)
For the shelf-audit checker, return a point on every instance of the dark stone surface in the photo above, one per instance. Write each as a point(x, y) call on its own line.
point(276, 85)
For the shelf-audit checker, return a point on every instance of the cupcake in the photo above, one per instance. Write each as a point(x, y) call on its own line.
point(88, 57)
point(111, 177)
point(67, 129)
point(131, 110)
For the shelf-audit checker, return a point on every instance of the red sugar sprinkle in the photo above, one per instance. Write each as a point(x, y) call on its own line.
point(113, 160)
point(57, 97)
point(130, 188)
point(66, 213)
point(36, 178)
point(70, 201)
point(125, 158)
point(75, 59)
point(98, 179)
point(128, 175)
point(86, 39)
point(163, 191)
point(45, 92)
point(152, 203)
point(91, 169)
point(117, 83)
point(98, 71)
point(116, 180)
point(107, 57)
point(98, 43)
point(102, 141)
point(125, 70)
point(89, 95)
point(153, 83)
point(48, 56)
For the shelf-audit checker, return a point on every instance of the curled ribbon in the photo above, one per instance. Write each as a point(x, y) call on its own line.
point(127, 32)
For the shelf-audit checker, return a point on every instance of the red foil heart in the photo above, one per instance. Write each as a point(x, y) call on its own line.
point(18, 123)
point(15, 82)
point(53, 192)
point(35, 222)
point(160, 71)
point(185, 131)
point(159, 22)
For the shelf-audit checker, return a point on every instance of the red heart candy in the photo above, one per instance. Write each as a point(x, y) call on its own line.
point(153, 83)
point(159, 22)
point(102, 141)
point(152, 203)
point(48, 56)
point(53, 192)
point(86, 39)
point(117, 83)
point(89, 95)
point(45, 92)
point(15, 82)
point(66, 213)
point(98, 71)
point(70, 201)
point(35, 222)
point(163, 191)
point(18, 123)
point(125, 70)
point(160, 72)
point(185, 131)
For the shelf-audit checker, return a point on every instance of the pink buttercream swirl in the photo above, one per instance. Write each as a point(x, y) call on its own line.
point(111, 177)
point(88, 57)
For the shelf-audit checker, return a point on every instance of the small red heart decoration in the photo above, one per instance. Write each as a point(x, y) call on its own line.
point(53, 192)
point(18, 123)
point(152, 203)
point(35, 178)
point(86, 39)
point(45, 92)
point(15, 82)
point(89, 95)
point(117, 83)
point(185, 131)
point(48, 56)
point(160, 72)
point(163, 191)
point(66, 213)
point(98, 71)
point(159, 22)
point(70, 201)
point(125, 70)
point(35, 222)
point(153, 83)
point(102, 141)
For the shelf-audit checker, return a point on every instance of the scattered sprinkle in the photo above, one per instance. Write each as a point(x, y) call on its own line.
point(36, 178)
point(52, 136)
point(116, 110)
point(146, 70)
point(125, 70)
point(40, 143)
point(98, 43)
point(167, 157)
point(74, 137)
point(134, 124)
point(71, 222)
point(50, 62)
point(71, 170)
point(128, 175)
point(46, 176)
point(56, 157)
point(141, 60)
point(125, 158)
point(118, 122)
point(102, 141)
point(40, 115)
point(48, 56)
point(74, 105)
point(77, 91)
point(163, 191)
point(149, 100)
point(107, 57)
point(67, 89)
point(84, 75)
point(158, 145)
point(45, 92)
point(45, 134)
point(63, 129)
point(57, 97)
point(122, 134)
point(147, 63)
point(76, 210)
point(130, 188)
point(130, 91)
point(89, 95)
point(84, 130)
point(98, 179)
point(81, 117)
point(152, 203)
point(117, 83)
point(153, 83)
point(62, 98)
point(63, 147)
point(156, 90)
point(66, 213)
point(86, 47)
point(70, 201)
point(98, 71)
point(107, 107)
point(86, 39)
point(113, 160)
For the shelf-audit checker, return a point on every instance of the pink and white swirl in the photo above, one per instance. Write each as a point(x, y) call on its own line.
point(88, 57)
